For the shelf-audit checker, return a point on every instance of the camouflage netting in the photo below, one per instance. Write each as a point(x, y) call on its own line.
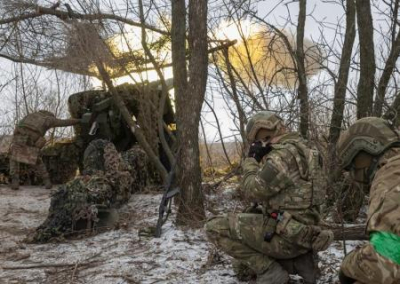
point(61, 160)
point(136, 159)
point(107, 183)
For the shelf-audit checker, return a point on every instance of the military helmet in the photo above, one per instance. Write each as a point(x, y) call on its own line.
point(263, 120)
point(370, 134)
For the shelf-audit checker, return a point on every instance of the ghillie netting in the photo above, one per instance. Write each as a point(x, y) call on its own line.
point(107, 183)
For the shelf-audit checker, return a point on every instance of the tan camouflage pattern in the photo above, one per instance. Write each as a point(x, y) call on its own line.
point(368, 267)
point(282, 180)
point(286, 180)
point(242, 237)
point(116, 172)
point(365, 264)
point(263, 119)
point(138, 166)
point(5, 145)
point(384, 205)
point(40, 122)
point(28, 140)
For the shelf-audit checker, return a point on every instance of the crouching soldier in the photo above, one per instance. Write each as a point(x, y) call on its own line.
point(370, 150)
point(27, 141)
point(282, 175)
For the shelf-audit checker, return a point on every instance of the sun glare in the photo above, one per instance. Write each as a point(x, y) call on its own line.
point(134, 78)
point(232, 30)
point(129, 41)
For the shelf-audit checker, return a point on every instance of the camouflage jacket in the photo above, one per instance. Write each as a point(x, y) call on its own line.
point(288, 178)
point(384, 204)
point(37, 124)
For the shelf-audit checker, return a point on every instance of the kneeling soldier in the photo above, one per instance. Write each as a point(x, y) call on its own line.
point(370, 150)
point(283, 175)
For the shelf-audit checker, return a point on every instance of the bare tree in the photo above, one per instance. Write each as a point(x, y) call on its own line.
point(189, 100)
point(366, 84)
point(341, 83)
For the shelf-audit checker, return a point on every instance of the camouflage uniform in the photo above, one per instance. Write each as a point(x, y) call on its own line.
point(28, 139)
point(287, 183)
point(78, 204)
point(370, 263)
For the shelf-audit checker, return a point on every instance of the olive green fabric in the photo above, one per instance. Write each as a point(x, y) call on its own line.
point(387, 245)
point(370, 134)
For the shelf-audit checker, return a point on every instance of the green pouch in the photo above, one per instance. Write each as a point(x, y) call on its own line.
point(386, 244)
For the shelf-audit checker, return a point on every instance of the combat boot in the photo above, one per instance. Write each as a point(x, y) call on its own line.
point(47, 183)
point(15, 183)
point(275, 274)
point(306, 266)
point(242, 271)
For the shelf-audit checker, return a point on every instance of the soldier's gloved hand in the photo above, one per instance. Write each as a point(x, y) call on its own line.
point(258, 151)
point(344, 279)
point(322, 240)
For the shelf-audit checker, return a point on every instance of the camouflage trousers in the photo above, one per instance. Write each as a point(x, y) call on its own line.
point(368, 267)
point(242, 236)
point(39, 168)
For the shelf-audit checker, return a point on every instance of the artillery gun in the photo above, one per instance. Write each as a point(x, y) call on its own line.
point(101, 119)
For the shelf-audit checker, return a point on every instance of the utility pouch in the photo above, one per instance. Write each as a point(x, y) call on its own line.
point(295, 232)
point(24, 154)
point(271, 224)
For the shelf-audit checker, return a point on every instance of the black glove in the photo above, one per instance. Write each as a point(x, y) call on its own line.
point(344, 279)
point(258, 151)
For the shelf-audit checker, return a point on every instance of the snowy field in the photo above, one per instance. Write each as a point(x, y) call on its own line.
point(120, 255)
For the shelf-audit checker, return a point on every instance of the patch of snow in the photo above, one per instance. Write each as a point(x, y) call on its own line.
point(121, 256)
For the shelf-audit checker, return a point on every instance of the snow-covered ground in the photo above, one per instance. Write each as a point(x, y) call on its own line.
point(121, 255)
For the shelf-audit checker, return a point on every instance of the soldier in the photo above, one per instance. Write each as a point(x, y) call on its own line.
point(90, 200)
point(370, 151)
point(29, 139)
point(282, 174)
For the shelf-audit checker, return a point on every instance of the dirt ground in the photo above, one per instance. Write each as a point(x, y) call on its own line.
point(119, 255)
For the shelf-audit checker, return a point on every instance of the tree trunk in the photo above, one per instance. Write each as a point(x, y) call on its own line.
point(188, 105)
point(356, 232)
point(301, 70)
point(340, 91)
point(365, 90)
point(387, 72)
